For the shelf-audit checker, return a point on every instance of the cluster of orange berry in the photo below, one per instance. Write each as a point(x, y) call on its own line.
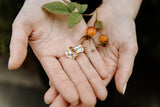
point(91, 31)
point(73, 52)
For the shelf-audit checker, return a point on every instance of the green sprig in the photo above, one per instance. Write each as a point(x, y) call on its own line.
point(67, 8)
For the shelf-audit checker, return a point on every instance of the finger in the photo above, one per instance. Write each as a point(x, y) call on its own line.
point(59, 79)
point(96, 59)
point(18, 45)
point(125, 66)
point(110, 56)
point(59, 102)
point(73, 70)
point(50, 95)
point(95, 56)
point(79, 105)
point(93, 77)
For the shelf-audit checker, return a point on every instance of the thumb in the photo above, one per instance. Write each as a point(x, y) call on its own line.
point(18, 45)
point(125, 66)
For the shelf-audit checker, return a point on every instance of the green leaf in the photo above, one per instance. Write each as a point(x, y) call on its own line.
point(81, 7)
point(74, 18)
point(98, 25)
point(67, 2)
point(57, 8)
point(71, 5)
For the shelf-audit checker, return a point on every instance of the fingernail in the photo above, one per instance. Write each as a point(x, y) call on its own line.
point(9, 62)
point(124, 88)
point(46, 102)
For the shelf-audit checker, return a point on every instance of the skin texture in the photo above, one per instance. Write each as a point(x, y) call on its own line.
point(117, 58)
point(49, 37)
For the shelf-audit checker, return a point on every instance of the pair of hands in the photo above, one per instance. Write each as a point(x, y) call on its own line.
point(82, 79)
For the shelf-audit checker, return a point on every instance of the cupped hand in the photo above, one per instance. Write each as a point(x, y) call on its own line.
point(119, 53)
point(49, 37)
point(117, 58)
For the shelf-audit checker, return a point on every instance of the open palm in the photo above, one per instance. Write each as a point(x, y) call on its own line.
point(49, 37)
point(117, 58)
point(121, 49)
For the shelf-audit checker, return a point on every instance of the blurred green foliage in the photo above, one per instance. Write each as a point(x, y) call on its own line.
point(8, 11)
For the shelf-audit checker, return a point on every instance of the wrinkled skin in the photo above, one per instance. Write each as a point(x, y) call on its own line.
point(49, 36)
point(119, 53)
point(117, 58)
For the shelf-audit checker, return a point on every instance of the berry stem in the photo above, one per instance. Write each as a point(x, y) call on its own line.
point(96, 14)
point(91, 14)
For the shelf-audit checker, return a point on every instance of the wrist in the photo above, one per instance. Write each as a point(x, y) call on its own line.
point(128, 8)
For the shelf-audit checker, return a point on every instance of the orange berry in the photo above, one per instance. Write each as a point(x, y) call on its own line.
point(103, 39)
point(91, 31)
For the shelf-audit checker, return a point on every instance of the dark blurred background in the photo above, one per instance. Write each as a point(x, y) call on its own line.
point(25, 87)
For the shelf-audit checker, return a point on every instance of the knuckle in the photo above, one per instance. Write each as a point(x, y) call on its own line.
point(63, 82)
point(60, 81)
point(95, 79)
point(82, 62)
point(80, 82)
point(133, 48)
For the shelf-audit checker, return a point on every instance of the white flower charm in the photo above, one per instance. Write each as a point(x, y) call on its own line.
point(78, 49)
point(73, 52)
point(70, 53)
